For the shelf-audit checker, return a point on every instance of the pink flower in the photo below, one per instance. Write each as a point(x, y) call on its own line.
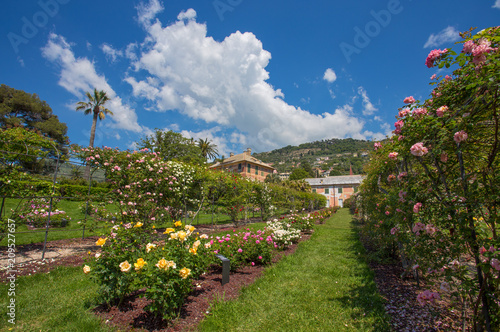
point(440, 111)
point(240, 250)
point(401, 176)
point(260, 257)
point(393, 155)
point(444, 157)
point(427, 297)
point(377, 146)
point(418, 149)
point(460, 136)
point(433, 56)
point(433, 77)
point(387, 213)
point(482, 250)
point(257, 241)
point(399, 124)
point(468, 46)
point(495, 263)
point(253, 263)
point(447, 77)
point(391, 177)
point(492, 249)
point(409, 100)
point(417, 207)
point(419, 112)
point(403, 113)
point(394, 230)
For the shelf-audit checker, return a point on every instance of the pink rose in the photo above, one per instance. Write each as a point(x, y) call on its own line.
point(393, 155)
point(403, 113)
point(418, 149)
point(417, 207)
point(440, 111)
point(409, 100)
point(460, 136)
point(377, 146)
point(433, 56)
point(468, 46)
point(419, 112)
point(495, 263)
point(433, 77)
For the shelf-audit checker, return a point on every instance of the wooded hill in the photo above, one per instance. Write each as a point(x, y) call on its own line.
point(333, 155)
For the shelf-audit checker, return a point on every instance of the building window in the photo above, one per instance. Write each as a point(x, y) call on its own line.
point(239, 167)
point(249, 167)
point(314, 190)
point(262, 173)
point(257, 170)
point(327, 191)
point(340, 190)
point(355, 189)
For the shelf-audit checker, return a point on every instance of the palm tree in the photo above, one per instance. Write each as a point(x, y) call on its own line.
point(208, 150)
point(94, 106)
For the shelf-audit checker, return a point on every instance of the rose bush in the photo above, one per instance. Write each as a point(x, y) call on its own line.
point(432, 190)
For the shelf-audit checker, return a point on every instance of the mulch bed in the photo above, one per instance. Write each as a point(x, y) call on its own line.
point(130, 315)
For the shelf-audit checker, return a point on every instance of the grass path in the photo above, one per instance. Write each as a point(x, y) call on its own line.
point(325, 286)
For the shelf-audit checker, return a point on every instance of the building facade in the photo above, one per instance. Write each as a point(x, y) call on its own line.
point(246, 165)
point(336, 189)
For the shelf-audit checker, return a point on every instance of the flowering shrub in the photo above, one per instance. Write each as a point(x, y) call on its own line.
point(283, 232)
point(245, 247)
point(441, 212)
point(129, 260)
point(35, 213)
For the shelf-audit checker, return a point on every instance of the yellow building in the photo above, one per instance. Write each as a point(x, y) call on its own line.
point(336, 189)
point(246, 165)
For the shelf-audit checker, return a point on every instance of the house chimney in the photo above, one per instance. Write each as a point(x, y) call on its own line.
point(249, 151)
point(231, 154)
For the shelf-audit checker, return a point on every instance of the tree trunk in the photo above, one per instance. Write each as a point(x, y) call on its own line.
point(91, 144)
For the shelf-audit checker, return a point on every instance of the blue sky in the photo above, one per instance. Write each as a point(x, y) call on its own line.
point(258, 74)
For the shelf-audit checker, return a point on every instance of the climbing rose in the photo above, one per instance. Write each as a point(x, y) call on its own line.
point(440, 111)
point(409, 100)
point(417, 207)
point(495, 263)
point(377, 146)
point(419, 111)
point(403, 113)
point(468, 46)
point(427, 296)
point(460, 136)
point(433, 56)
point(418, 149)
point(393, 155)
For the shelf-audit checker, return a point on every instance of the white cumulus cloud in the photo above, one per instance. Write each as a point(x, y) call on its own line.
point(445, 36)
point(225, 83)
point(368, 108)
point(111, 53)
point(497, 4)
point(78, 76)
point(330, 75)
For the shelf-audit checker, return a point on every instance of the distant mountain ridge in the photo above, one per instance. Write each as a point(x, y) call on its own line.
point(335, 156)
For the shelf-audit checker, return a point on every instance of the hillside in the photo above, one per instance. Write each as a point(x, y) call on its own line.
point(332, 155)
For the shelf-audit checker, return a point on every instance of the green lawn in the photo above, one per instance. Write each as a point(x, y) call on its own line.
point(55, 301)
point(325, 286)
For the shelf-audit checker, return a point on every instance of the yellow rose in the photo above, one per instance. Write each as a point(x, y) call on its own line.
point(184, 273)
point(204, 236)
point(181, 235)
point(150, 246)
point(139, 264)
point(139, 224)
point(196, 244)
point(193, 251)
point(162, 264)
point(86, 269)
point(125, 266)
point(169, 230)
point(101, 241)
point(178, 223)
point(173, 236)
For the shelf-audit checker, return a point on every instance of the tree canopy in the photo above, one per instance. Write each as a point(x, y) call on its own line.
point(21, 109)
point(173, 146)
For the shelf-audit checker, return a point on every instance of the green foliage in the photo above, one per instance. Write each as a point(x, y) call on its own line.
point(432, 190)
point(299, 174)
point(173, 146)
point(24, 110)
